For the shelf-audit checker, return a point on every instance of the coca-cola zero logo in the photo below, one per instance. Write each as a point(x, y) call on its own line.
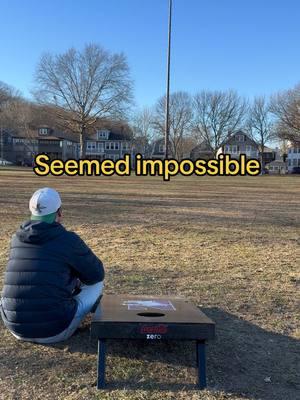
point(154, 329)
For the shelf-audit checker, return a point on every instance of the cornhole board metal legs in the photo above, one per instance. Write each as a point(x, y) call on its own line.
point(101, 364)
point(201, 364)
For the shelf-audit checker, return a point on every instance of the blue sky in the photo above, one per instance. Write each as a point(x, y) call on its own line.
point(251, 46)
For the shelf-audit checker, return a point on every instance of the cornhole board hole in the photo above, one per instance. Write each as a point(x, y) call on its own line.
point(152, 318)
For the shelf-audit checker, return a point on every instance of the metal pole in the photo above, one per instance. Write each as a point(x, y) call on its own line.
point(2, 143)
point(167, 119)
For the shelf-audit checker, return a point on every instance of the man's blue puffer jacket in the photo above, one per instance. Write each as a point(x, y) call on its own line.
point(44, 264)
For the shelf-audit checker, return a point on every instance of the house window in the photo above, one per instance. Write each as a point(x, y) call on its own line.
point(290, 150)
point(43, 131)
point(248, 148)
point(17, 140)
point(234, 149)
point(112, 146)
point(161, 148)
point(294, 162)
point(102, 134)
point(240, 138)
point(91, 145)
point(289, 163)
point(126, 146)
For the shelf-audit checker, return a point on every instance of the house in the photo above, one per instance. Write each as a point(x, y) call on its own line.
point(179, 149)
point(108, 143)
point(269, 154)
point(239, 143)
point(202, 151)
point(101, 143)
point(158, 149)
point(21, 149)
point(5, 145)
point(293, 156)
point(277, 166)
point(141, 145)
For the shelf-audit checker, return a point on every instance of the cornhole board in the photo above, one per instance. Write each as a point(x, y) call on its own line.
point(151, 318)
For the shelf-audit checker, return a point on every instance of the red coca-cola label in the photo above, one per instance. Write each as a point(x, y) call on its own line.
point(154, 329)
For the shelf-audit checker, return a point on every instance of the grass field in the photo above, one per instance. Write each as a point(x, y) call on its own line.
point(230, 245)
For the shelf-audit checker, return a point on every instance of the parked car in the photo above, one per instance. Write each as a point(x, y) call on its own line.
point(296, 170)
point(5, 162)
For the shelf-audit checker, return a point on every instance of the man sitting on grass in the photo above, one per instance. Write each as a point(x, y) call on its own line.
point(40, 301)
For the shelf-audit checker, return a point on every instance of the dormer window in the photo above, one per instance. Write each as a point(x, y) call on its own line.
point(43, 131)
point(240, 138)
point(102, 134)
point(161, 148)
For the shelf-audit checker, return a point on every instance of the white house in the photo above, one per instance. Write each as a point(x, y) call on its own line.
point(293, 158)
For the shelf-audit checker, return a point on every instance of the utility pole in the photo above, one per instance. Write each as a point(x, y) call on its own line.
point(1, 143)
point(167, 118)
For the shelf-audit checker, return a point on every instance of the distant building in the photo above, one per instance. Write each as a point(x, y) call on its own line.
point(293, 156)
point(269, 154)
point(108, 144)
point(278, 166)
point(202, 151)
point(21, 149)
point(158, 149)
point(239, 143)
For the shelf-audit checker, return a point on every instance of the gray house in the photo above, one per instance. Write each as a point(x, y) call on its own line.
point(158, 149)
point(202, 151)
point(237, 144)
point(108, 144)
point(21, 149)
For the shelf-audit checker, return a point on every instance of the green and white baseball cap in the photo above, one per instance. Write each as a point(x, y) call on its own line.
point(44, 202)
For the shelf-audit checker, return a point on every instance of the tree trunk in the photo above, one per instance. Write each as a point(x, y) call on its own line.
point(82, 143)
point(262, 162)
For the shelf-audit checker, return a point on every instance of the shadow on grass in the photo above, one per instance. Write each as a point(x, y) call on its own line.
point(244, 359)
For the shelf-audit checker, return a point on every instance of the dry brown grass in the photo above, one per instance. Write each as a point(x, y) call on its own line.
point(227, 244)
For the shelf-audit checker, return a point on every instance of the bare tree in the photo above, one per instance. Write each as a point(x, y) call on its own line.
point(143, 124)
point(8, 95)
point(217, 114)
point(21, 117)
point(261, 124)
point(181, 118)
point(286, 107)
point(84, 87)
point(143, 129)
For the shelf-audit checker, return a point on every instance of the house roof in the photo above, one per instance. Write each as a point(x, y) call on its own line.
point(49, 138)
point(54, 135)
point(267, 149)
point(203, 147)
point(232, 135)
point(277, 162)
